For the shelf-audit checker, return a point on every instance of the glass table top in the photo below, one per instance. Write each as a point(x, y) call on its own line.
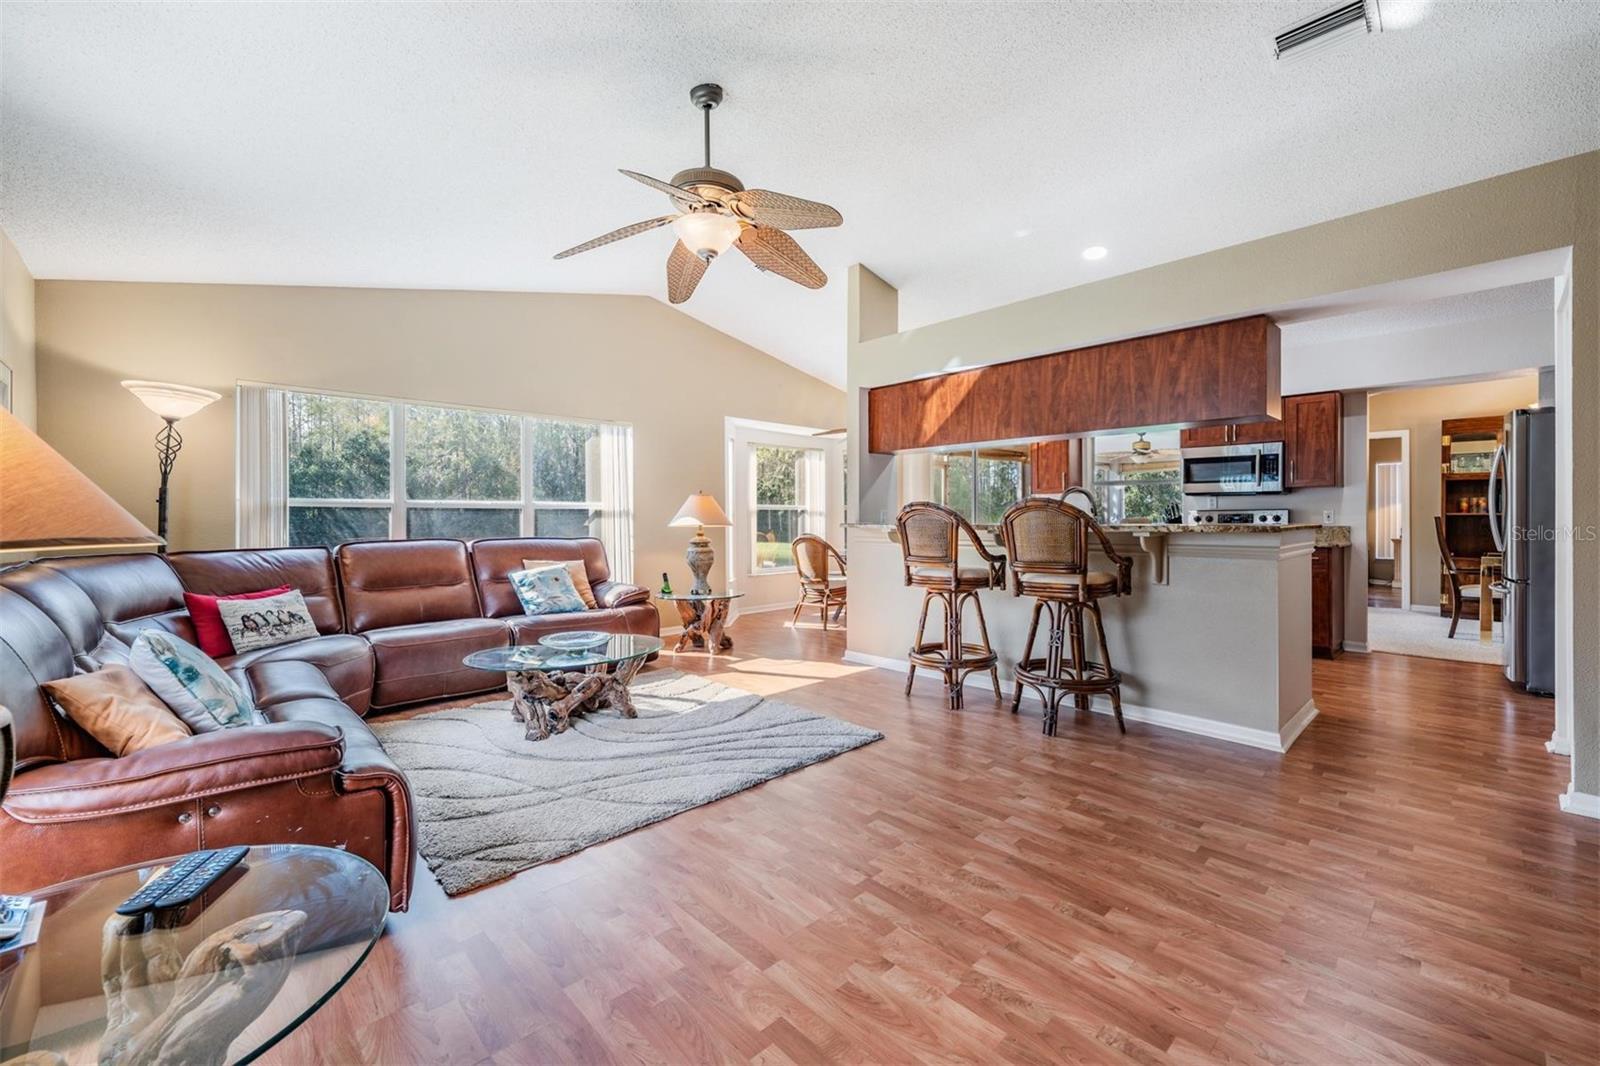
point(92, 985)
point(619, 647)
point(698, 597)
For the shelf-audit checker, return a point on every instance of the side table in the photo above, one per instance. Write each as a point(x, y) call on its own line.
point(705, 619)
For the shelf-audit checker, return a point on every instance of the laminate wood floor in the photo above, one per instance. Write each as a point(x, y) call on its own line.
point(1399, 888)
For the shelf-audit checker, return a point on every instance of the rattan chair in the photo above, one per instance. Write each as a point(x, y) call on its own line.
point(1047, 542)
point(820, 586)
point(930, 543)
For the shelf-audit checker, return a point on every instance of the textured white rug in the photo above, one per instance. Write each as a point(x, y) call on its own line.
point(1427, 635)
point(490, 803)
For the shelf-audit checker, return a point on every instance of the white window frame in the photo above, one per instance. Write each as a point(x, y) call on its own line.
point(1112, 502)
point(397, 502)
point(970, 512)
point(811, 504)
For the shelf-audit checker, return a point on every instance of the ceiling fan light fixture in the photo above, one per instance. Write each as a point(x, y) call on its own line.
point(706, 233)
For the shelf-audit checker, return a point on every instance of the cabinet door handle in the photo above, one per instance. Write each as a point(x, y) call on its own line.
point(1291, 472)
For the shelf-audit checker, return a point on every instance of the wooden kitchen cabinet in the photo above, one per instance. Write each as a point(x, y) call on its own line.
point(1234, 433)
point(1313, 442)
point(1328, 572)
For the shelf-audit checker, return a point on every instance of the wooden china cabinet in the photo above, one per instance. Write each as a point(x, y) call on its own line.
point(1466, 451)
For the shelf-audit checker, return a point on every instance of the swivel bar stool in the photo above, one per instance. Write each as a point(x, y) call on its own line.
point(930, 541)
point(1048, 544)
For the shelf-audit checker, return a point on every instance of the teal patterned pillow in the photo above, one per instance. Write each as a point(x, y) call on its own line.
point(547, 590)
point(190, 682)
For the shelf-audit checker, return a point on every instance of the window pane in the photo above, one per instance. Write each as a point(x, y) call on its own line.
point(466, 523)
point(777, 473)
point(566, 522)
point(327, 526)
point(999, 487)
point(774, 531)
point(1147, 494)
point(338, 448)
point(453, 454)
point(952, 481)
point(566, 462)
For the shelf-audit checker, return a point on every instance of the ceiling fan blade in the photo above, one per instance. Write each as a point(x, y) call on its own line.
point(684, 271)
point(767, 208)
point(774, 250)
point(617, 235)
point(681, 195)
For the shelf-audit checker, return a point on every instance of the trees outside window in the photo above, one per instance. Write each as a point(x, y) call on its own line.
point(363, 468)
point(787, 502)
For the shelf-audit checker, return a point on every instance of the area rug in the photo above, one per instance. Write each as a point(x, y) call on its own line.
point(490, 803)
point(1428, 635)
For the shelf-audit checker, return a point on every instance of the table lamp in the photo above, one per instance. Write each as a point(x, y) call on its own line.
point(171, 402)
point(46, 502)
point(700, 511)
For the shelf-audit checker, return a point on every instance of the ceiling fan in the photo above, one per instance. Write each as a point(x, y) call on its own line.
point(716, 211)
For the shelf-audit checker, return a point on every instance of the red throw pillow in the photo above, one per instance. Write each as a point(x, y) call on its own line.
point(209, 632)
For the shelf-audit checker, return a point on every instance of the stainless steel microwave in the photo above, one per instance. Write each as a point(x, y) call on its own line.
point(1233, 469)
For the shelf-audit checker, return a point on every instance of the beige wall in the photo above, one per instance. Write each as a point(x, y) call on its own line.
point(626, 358)
point(17, 330)
point(1421, 411)
point(1541, 209)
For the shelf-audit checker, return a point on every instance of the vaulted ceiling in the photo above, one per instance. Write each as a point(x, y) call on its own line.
point(974, 149)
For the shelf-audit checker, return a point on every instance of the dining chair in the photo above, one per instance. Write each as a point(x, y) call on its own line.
point(820, 585)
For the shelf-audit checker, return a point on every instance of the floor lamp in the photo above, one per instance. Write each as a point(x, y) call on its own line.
point(46, 504)
point(172, 403)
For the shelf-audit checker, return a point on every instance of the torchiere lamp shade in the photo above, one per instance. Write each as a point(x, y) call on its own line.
point(700, 510)
point(46, 502)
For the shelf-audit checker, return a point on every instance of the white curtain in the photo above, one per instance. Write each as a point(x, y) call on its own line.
point(814, 492)
point(1386, 517)
point(261, 503)
point(616, 498)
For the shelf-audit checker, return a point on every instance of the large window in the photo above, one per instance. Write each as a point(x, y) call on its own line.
point(788, 502)
point(1137, 476)
point(356, 468)
point(980, 483)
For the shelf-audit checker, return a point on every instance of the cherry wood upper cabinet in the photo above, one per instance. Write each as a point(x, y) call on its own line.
point(1232, 433)
point(1222, 372)
point(1054, 464)
point(1314, 439)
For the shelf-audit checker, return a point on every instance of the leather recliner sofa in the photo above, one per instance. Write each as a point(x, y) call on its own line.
point(394, 619)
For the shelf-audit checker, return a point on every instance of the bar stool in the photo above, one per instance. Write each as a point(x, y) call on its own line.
point(930, 541)
point(1048, 545)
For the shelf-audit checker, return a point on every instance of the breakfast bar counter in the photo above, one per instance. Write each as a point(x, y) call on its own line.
point(1220, 645)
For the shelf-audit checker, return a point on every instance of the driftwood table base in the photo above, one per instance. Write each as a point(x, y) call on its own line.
point(546, 700)
point(704, 622)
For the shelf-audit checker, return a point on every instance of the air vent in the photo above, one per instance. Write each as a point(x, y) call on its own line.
point(1318, 32)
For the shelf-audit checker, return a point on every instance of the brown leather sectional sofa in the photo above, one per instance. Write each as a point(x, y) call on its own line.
point(394, 620)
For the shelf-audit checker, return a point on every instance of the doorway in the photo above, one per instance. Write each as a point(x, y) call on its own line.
point(1389, 518)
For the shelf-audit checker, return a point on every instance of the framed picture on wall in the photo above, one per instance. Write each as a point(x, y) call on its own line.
point(5, 386)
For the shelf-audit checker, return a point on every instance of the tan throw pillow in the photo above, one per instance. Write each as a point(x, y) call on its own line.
point(117, 709)
point(580, 577)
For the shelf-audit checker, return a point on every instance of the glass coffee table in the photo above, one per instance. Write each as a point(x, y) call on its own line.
point(220, 981)
point(705, 618)
point(549, 685)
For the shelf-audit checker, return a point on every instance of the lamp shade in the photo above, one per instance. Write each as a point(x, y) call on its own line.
point(171, 402)
point(46, 502)
point(700, 510)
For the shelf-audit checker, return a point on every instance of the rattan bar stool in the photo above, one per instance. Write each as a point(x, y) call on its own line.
point(1048, 545)
point(930, 541)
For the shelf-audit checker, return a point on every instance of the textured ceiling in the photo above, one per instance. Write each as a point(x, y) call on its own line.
point(973, 149)
point(1526, 298)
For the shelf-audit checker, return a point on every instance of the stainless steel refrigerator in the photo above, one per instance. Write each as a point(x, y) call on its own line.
point(1522, 518)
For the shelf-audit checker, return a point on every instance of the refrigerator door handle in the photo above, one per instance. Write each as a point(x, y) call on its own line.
point(1494, 511)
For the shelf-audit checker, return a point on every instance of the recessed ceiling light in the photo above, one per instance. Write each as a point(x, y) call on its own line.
point(1094, 252)
point(1022, 233)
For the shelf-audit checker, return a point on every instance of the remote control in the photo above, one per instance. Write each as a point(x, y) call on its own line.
point(153, 889)
point(219, 863)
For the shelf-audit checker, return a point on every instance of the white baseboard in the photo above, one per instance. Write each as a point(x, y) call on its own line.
point(764, 608)
point(672, 631)
point(1582, 803)
point(1358, 646)
point(1423, 608)
point(1558, 745)
point(1185, 723)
